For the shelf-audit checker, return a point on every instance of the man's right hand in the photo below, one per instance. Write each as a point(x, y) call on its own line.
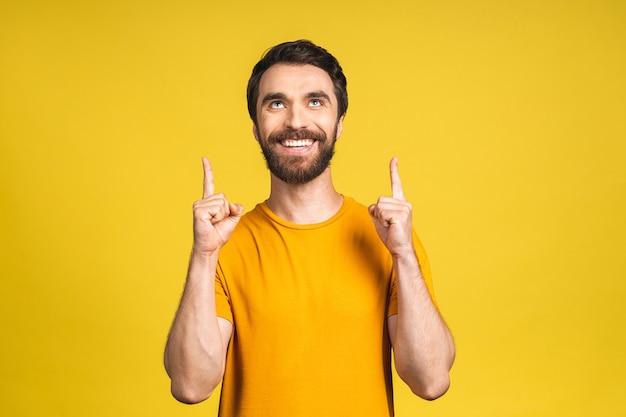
point(214, 218)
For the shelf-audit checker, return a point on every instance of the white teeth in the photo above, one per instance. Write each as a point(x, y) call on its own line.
point(294, 143)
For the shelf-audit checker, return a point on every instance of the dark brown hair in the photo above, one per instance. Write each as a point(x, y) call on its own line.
point(301, 52)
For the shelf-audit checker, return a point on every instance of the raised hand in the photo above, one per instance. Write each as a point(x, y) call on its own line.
point(393, 216)
point(214, 218)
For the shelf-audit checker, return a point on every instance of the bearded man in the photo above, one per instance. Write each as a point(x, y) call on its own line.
point(300, 313)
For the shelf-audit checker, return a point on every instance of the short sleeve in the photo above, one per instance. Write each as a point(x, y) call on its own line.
point(222, 300)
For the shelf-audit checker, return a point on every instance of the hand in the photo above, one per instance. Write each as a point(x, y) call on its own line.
point(214, 218)
point(393, 216)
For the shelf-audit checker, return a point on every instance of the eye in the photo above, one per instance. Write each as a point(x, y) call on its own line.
point(276, 105)
point(315, 102)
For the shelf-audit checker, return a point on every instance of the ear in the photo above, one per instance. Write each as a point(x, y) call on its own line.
point(255, 132)
point(339, 126)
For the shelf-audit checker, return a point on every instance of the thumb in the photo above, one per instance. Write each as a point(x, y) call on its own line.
point(236, 210)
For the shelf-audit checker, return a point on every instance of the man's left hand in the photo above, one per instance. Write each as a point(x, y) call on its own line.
point(393, 216)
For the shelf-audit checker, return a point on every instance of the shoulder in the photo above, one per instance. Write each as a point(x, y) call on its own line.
point(357, 213)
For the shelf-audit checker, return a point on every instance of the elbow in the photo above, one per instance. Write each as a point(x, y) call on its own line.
point(192, 387)
point(432, 390)
point(190, 395)
point(428, 386)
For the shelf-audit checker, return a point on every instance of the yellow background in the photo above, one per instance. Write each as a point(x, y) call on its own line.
point(509, 121)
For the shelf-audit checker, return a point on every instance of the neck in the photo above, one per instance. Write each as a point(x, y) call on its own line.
point(313, 202)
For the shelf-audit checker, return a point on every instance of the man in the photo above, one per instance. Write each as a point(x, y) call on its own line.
point(298, 314)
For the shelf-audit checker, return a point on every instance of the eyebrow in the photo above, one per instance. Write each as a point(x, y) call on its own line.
point(318, 94)
point(281, 96)
point(273, 96)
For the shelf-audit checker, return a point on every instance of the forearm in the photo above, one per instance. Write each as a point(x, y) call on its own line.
point(422, 343)
point(194, 353)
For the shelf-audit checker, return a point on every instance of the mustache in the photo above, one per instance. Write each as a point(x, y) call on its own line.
point(297, 134)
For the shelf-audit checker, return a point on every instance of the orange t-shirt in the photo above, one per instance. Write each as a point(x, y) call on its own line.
point(309, 305)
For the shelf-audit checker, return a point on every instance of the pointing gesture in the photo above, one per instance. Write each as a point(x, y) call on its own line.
point(396, 183)
point(214, 218)
point(393, 215)
point(208, 182)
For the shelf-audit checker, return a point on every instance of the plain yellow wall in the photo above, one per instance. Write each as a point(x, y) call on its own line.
point(509, 121)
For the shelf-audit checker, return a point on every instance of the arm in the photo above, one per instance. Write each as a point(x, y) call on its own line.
point(422, 343)
point(195, 353)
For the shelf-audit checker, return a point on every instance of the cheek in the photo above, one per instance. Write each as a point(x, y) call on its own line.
point(270, 125)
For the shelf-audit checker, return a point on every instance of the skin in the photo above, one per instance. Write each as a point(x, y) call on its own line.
point(301, 98)
point(422, 344)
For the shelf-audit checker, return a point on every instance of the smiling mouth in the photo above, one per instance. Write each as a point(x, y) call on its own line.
point(296, 143)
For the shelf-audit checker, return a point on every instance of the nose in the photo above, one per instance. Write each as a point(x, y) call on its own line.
point(296, 118)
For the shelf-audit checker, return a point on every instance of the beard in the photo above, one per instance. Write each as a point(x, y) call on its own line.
point(294, 169)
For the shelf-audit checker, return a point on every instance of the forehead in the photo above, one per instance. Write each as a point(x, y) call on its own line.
point(295, 79)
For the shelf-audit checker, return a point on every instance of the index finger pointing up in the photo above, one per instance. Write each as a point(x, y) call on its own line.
point(207, 185)
point(396, 183)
